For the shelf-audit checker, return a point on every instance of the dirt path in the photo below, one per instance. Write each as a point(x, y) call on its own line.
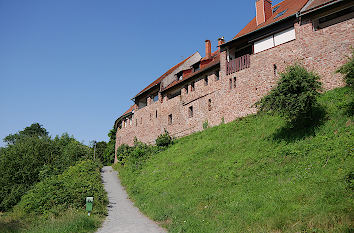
point(123, 216)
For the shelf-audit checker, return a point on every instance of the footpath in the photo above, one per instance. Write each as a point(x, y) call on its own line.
point(123, 216)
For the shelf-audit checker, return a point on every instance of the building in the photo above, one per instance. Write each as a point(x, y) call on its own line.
point(225, 84)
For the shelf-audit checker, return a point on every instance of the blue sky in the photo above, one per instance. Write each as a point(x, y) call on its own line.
point(74, 65)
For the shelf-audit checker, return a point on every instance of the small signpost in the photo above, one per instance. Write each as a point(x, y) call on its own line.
point(89, 204)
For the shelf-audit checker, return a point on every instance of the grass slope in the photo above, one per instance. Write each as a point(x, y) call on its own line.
point(254, 175)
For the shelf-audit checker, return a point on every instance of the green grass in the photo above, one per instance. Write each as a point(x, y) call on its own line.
point(68, 222)
point(254, 175)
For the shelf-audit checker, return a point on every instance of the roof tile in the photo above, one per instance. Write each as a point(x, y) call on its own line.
point(291, 7)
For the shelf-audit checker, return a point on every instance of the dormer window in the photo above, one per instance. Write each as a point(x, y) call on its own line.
point(180, 75)
point(196, 67)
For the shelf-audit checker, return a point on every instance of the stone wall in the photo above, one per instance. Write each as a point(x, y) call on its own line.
point(321, 51)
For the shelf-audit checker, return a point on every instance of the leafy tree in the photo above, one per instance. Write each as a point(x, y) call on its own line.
point(108, 155)
point(100, 149)
point(33, 156)
point(112, 134)
point(295, 95)
point(348, 71)
point(35, 130)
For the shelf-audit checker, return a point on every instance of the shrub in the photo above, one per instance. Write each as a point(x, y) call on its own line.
point(348, 71)
point(67, 190)
point(123, 151)
point(164, 139)
point(205, 124)
point(295, 95)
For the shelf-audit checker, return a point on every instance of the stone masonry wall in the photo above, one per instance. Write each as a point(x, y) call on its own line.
point(322, 51)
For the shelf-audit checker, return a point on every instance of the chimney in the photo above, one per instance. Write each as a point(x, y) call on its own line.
point(207, 49)
point(263, 11)
point(220, 41)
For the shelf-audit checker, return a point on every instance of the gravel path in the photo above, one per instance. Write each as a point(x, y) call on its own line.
point(123, 216)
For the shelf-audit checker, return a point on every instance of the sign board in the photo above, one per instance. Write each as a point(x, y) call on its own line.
point(89, 203)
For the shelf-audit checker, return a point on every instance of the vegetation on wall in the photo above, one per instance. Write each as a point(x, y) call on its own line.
point(253, 175)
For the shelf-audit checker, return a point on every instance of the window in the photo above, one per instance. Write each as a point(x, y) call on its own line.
point(280, 14)
point(155, 97)
point(230, 83)
point(275, 70)
point(141, 120)
point(275, 40)
point(150, 116)
point(234, 82)
point(284, 36)
point(156, 114)
point(130, 121)
point(190, 111)
point(196, 67)
point(334, 18)
point(275, 9)
point(180, 75)
point(206, 80)
point(209, 104)
point(192, 86)
point(136, 122)
point(174, 94)
point(170, 119)
point(217, 75)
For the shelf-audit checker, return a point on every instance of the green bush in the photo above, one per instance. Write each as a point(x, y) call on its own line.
point(67, 190)
point(348, 71)
point(205, 124)
point(31, 159)
point(164, 139)
point(295, 95)
point(123, 151)
point(20, 165)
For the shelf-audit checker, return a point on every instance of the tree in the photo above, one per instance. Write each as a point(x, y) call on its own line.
point(295, 95)
point(100, 149)
point(348, 71)
point(112, 134)
point(35, 130)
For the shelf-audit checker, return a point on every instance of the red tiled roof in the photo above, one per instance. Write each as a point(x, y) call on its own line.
point(215, 59)
point(291, 7)
point(157, 81)
point(313, 4)
point(133, 107)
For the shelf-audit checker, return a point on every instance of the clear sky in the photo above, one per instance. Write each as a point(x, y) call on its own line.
point(74, 65)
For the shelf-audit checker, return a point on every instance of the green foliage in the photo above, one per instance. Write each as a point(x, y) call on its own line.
point(348, 71)
point(112, 134)
point(31, 159)
point(35, 130)
point(108, 154)
point(295, 95)
point(123, 151)
point(164, 139)
point(67, 190)
point(20, 166)
point(100, 149)
point(205, 124)
point(253, 175)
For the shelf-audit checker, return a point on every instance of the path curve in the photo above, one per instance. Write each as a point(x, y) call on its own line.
point(123, 216)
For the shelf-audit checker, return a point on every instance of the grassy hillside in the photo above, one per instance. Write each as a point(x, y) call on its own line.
point(254, 175)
